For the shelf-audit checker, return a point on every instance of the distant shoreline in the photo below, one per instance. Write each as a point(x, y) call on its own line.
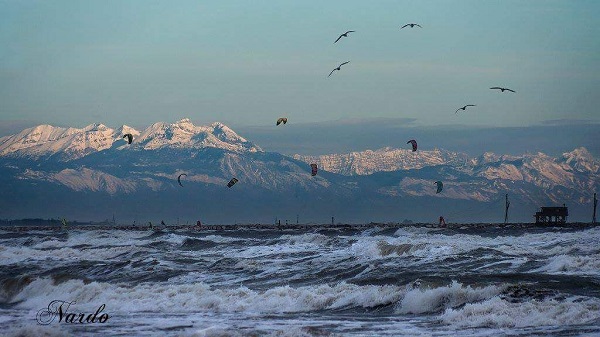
point(221, 227)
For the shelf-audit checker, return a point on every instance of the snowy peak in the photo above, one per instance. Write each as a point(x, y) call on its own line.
point(581, 160)
point(125, 130)
point(95, 127)
point(184, 134)
point(384, 159)
point(576, 170)
point(44, 141)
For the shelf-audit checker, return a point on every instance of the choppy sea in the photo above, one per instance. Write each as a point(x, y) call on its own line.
point(409, 281)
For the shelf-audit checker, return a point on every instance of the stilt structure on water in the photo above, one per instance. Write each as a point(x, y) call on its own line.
point(552, 215)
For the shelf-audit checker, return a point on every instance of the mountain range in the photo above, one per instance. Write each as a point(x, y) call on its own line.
point(91, 173)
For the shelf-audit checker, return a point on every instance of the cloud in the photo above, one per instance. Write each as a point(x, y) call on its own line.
point(376, 121)
point(566, 121)
point(358, 135)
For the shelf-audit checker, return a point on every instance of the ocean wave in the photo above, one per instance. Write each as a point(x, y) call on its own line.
point(13, 255)
point(24, 330)
point(432, 300)
point(197, 244)
point(201, 297)
point(307, 238)
point(12, 286)
point(293, 331)
point(571, 265)
point(495, 312)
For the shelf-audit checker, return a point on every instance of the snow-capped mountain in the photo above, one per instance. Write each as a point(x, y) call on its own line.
point(68, 144)
point(382, 160)
point(576, 171)
point(65, 168)
point(184, 134)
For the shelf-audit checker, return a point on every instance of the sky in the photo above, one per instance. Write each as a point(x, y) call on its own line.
point(246, 63)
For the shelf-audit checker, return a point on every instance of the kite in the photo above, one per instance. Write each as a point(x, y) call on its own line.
point(414, 144)
point(232, 182)
point(440, 186)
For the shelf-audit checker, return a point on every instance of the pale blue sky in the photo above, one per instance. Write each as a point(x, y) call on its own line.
point(246, 63)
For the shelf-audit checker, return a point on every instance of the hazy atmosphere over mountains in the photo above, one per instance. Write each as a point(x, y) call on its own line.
point(92, 173)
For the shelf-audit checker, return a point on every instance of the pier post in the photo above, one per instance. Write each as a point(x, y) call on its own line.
point(595, 205)
point(507, 205)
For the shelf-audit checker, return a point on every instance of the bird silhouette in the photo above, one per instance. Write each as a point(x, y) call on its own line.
point(338, 68)
point(281, 120)
point(412, 25)
point(344, 35)
point(503, 89)
point(464, 107)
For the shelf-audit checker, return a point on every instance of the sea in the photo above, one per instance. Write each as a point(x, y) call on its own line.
point(487, 280)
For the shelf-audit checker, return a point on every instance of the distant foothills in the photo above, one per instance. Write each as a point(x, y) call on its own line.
point(93, 174)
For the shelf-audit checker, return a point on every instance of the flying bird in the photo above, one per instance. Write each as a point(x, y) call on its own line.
point(338, 68)
point(412, 25)
point(464, 107)
point(344, 35)
point(281, 120)
point(499, 88)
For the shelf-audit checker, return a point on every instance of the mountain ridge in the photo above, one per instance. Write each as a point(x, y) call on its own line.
point(44, 141)
point(384, 182)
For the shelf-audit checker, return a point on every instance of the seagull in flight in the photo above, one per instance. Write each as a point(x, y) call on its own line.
point(338, 68)
point(344, 35)
point(499, 88)
point(412, 25)
point(464, 107)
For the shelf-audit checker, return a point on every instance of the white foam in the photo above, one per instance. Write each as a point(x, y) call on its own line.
point(495, 312)
point(225, 239)
point(572, 265)
point(12, 255)
point(200, 297)
point(214, 331)
point(27, 330)
point(307, 238)
point(431, 300)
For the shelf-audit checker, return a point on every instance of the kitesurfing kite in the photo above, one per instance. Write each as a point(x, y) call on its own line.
point(179, 178)
point(412, 25)
point(232, 182)
point(281, 120)
point(344, 35)
point(129, 137)
point(464, 107)
point(313, 169)
point(338, 68)
point(440, 186)
point(503, 89)
point(414, 144)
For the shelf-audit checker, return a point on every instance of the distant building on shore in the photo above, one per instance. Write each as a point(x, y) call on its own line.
point(552, 215)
